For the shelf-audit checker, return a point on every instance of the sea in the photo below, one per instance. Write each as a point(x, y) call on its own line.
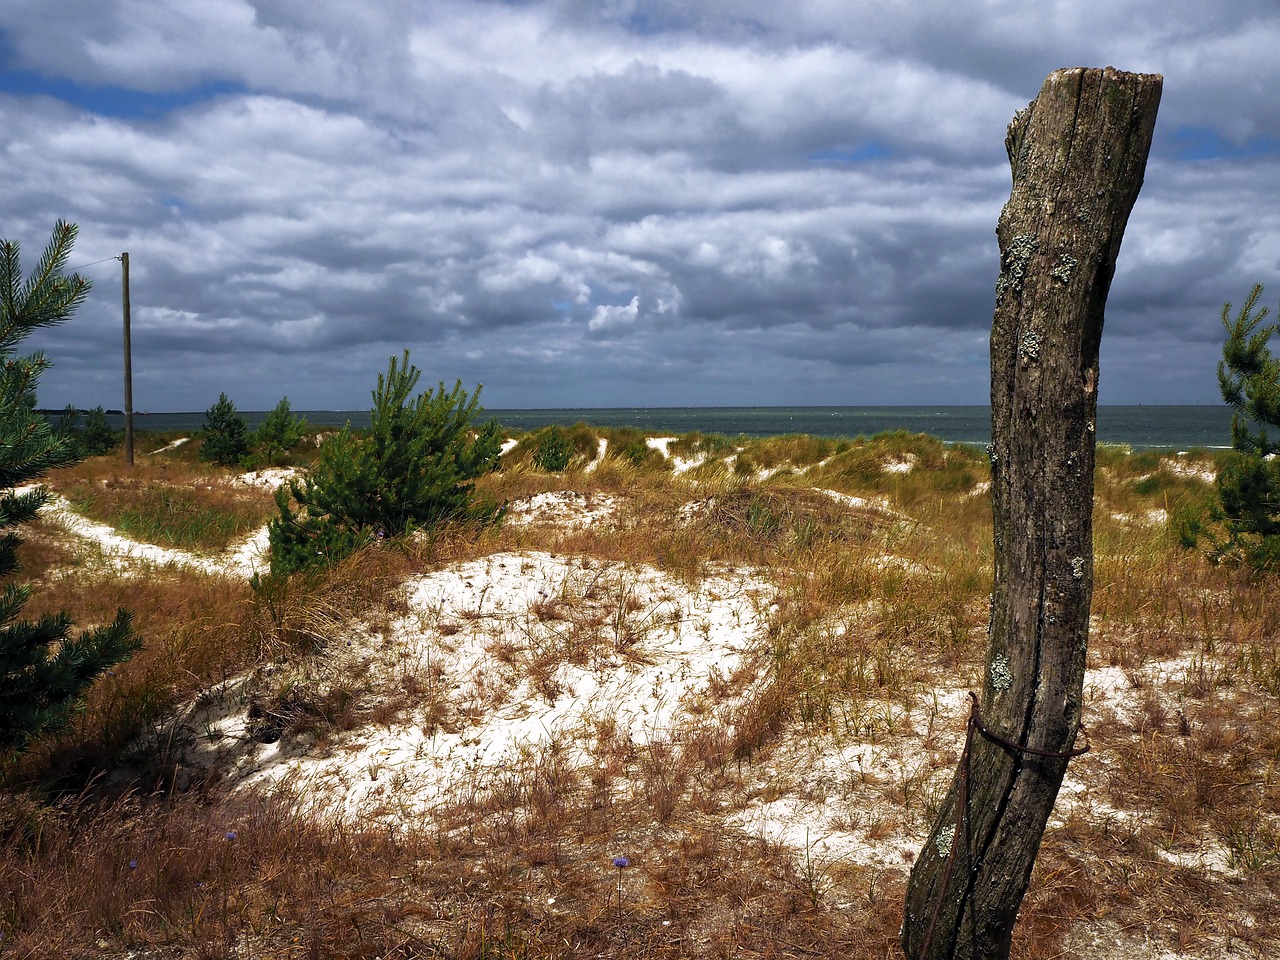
point(1142, 427)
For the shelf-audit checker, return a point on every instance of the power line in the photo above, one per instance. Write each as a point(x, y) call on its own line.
point(95, 263)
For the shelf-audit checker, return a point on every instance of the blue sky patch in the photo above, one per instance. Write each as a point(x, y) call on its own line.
point(863, 153)
point(1201, 143)
point(110, 101)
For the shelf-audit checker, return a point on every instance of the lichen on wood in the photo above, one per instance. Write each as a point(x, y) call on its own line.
point(1077, 154)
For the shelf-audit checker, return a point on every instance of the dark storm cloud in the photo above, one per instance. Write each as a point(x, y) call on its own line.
point(595, 203)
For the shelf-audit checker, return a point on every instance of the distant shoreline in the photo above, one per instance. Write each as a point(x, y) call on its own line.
point(1140, 427)
point(523, 410)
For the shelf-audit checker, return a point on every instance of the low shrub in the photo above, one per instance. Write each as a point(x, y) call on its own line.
point(554, 451)
point(415, 469)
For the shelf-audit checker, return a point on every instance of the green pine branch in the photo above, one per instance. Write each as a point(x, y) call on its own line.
point(1246, 517)
point(44, 298)
point(413, 470)
point(45, 669)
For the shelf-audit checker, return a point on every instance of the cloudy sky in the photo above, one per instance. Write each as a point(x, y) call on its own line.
point(607, 202)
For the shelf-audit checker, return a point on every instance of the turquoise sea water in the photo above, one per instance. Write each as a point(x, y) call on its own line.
point(1140, 427)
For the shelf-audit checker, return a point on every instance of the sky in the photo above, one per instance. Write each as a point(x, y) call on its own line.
point(609, 203)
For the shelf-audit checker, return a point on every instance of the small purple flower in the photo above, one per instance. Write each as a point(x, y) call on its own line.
point(231, 835)
point(621, 863)
point(133, 864)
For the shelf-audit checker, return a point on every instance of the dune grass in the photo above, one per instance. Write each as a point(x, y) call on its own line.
point(168, 500)
point(878, 554)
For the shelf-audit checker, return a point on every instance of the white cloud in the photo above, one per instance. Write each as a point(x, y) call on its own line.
point(614, 317)
point(580, 202)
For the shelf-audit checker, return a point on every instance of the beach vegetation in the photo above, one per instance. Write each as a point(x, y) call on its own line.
point(1244, 525)
point(632, 445)
point(88, 432)
point(556, 448)
point(554, 451)
point(97, 437)
point(414, 469)
point(278, 434)
point(775, 816)
point(172, 507)
point(797, 450)
point(225, 434)
point(586, 443)
point(168, 496)
point(698, 445)
point(45, 668)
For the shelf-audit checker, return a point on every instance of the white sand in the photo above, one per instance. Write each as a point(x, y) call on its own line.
point(1155, 517)
point(1195, 471)
point(268, 478)
point(172, 446)
point(503, 679)
point(841, 798)
point(878, 505)
point(601, 447)
point(563, 508)
point(679, 465)
point(905, 465)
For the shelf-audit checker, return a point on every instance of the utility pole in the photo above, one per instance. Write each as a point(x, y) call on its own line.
point(128, 366)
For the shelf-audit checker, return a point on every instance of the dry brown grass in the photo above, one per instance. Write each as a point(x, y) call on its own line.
point(164, 501)
point(879, 604)
point(164, 876)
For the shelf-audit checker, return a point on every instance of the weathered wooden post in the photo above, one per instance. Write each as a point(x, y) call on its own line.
point(1078, 153)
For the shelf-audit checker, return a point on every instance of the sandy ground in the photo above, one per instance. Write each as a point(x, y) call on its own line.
point(517, 655)
point(510, 656)
point(567, 509)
